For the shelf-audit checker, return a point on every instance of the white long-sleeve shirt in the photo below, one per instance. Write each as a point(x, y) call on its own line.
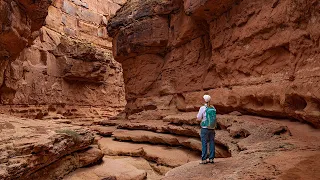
point(202, 115)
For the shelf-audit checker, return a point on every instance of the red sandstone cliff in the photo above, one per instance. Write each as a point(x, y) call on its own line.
point(66, 66)
point(18, 20)
point(258, 57)
point(55, 63)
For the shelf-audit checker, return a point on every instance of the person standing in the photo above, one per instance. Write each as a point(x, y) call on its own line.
point(207, 115)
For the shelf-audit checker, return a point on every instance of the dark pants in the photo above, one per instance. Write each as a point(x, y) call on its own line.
point(207, 135)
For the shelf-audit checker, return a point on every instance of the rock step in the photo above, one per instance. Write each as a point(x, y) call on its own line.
point(108, 122)
point(154, 126)
point(160, 154)
point(152, 137)
point(166, 139)
point(184, 130)
point(154, 171)
point(109, 169)
point(188, 118)
point(224, 143)
point(105, 131)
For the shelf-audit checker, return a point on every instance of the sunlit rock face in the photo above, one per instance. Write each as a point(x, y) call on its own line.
point(68, 63)
point(259, 57)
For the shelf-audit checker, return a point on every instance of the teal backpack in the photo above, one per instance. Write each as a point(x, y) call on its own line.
point(211, 118)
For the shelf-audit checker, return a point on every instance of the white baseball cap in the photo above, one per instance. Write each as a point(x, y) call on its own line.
point(206, 98)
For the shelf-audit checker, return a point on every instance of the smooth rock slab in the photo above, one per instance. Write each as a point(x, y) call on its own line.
point(104, 131)
point(171, 140)
point(162, 155)
point(148, 136)
point(155, 126)
point(142, 164)
point(110, 168)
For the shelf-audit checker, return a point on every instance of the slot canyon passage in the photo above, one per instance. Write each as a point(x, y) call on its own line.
point(110, 89)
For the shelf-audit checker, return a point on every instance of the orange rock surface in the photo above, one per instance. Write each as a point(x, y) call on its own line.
point(94, 82)
point(257, 57)
point(66, 66)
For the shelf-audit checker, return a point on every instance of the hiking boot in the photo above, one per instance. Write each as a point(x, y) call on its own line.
point(203, 162)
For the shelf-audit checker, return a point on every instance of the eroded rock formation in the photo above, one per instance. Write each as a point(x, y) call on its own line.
point(258, 57)
point(55, 63)
point(43, 150)
point(68, 69)
point(247, 147)
point(18, 18)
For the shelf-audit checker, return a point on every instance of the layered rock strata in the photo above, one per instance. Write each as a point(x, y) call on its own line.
point(278, 157)
point(260, 148)
point(18, 18)
point(174, 141)
point(257, 57)
point(68, 69)
point(33, 149)
point(55, 63)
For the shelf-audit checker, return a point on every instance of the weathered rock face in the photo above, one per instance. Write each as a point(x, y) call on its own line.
point(55, 62)
point(69, 63)
point(34, 149)
point(260, 148)
point(259, 57)
point(290, 152)
point(18, 19)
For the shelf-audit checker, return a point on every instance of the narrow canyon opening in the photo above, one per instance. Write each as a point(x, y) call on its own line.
point(110, 89)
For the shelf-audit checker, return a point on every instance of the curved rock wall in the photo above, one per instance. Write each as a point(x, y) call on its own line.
point(258, 57)
point(68, 66)
point(18, 19)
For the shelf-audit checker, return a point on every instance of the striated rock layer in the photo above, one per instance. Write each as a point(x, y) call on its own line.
point(35, 149)
point(55, 63)
point(258, 57)
point(18, 19)
point(68, 63)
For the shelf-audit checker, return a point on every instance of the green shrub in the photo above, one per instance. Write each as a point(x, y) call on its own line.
point(75, 136)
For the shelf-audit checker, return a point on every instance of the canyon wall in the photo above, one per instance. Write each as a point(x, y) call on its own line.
point(18, 20)
point(67, 68)
point(55, 63)
point(257, 57)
